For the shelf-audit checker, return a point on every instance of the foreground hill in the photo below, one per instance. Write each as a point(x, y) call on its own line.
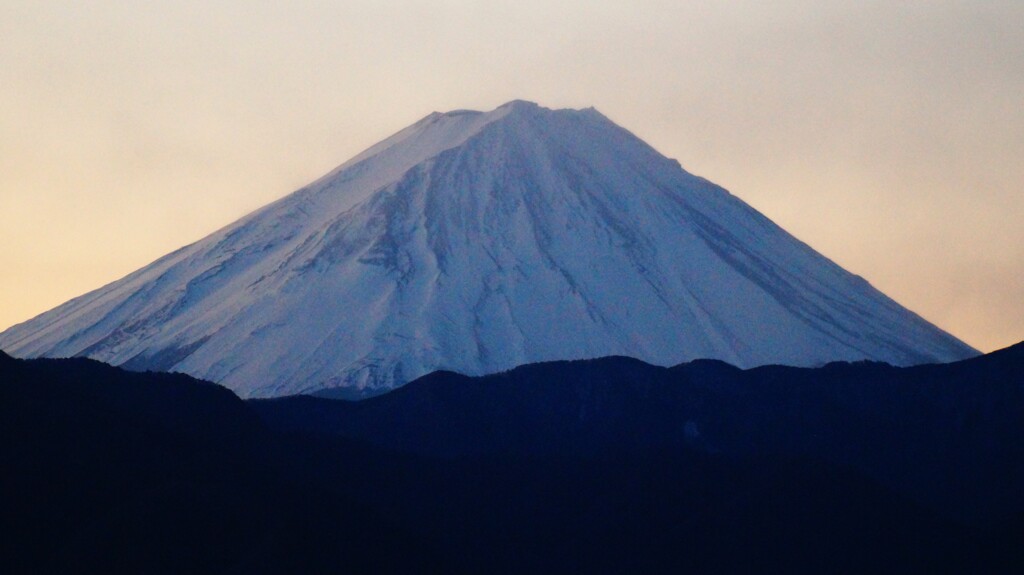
point(108, 471)
point(604, 466)
point(944, 433)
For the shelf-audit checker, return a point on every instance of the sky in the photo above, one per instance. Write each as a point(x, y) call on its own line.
point(887, 135)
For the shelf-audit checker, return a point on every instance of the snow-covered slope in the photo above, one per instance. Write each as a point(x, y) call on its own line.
point(476, 242)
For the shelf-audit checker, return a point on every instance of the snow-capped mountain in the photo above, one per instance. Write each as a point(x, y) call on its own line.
point(475, 242)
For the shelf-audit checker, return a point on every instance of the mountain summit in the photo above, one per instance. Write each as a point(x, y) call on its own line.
point(476, 242)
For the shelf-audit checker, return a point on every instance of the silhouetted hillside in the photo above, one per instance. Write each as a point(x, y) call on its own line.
point(945, 435)
point(108, 471)
point(604, 466)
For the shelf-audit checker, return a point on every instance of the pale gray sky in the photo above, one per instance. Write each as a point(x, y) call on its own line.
point(889, 136)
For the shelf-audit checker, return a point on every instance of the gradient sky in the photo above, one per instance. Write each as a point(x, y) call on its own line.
point(887, 135)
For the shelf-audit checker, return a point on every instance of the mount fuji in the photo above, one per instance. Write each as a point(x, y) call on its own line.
point(475, 242)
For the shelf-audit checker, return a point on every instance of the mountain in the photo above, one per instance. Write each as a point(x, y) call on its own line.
point(475, 242)
point(943, 434)
point(111, 471)
point(594, 466)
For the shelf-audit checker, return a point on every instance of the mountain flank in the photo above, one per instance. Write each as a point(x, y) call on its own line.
point(475, 242)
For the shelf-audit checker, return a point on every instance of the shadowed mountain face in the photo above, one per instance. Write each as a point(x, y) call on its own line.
point(943, 434)
point(475, 242)
point(108, 471)
point(603, 466)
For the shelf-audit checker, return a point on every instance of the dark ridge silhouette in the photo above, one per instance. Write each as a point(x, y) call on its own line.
point(110, 471)
point(604, 466)
point(946, 435)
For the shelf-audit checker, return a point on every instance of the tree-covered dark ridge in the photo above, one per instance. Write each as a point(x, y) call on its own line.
point(608, 465)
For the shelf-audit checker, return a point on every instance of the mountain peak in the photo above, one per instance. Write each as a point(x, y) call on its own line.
point(520, 106)
point(515, 108)
point(526, 107)
point(475, 242)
